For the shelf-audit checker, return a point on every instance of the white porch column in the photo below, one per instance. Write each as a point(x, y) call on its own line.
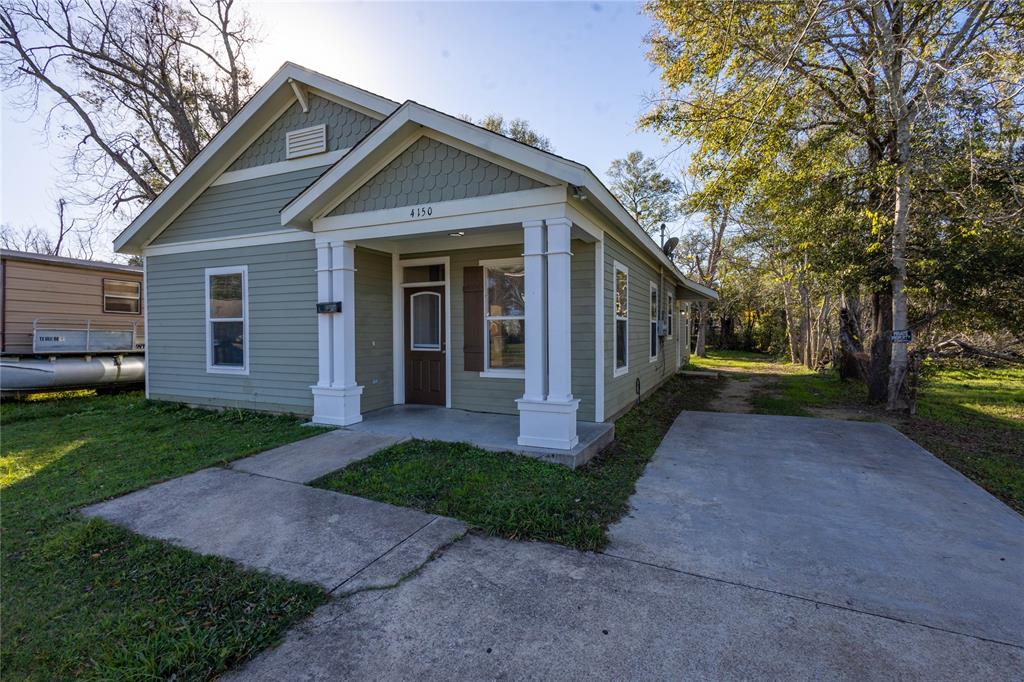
point(336, 396)
point(534, 238)
point(559, 312)
point(547, 415)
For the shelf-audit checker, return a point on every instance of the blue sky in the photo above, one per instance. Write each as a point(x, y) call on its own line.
point(577, 71)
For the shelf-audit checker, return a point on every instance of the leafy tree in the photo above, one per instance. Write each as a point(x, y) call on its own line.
point(518, 129)
point(754, 83)
point(650, 196)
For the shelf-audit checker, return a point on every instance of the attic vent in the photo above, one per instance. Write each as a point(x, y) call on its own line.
point(306, 141)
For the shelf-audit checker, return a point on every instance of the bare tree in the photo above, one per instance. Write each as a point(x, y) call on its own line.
point(72, 238)
point(144, 84)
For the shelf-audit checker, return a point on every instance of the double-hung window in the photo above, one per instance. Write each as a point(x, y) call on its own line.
point(621, 311)
point(505, 317)
point(122, 297)
point(227, 320)
point(654, 322)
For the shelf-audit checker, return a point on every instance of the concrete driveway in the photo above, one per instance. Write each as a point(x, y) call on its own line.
point(850, 514)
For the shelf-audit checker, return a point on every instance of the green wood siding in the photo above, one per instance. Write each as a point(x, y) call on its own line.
point(620, 392)
point(282, 329)
point(345, 127)
point(374, 361)
point(430, 171)
point(238, 208)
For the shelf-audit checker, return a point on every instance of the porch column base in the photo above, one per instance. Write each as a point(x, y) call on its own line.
point(337, 406)
point(547, 424)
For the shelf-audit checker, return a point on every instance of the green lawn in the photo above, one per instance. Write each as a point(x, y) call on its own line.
point(972, 418)
point(85, 599)
point(523, 498)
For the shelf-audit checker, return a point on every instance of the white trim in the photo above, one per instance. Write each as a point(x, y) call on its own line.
point(398, 359)
point(412, 342)
point(599, 314)
point(652, 327)
point(397, 341)
point(419, 285)
point(616, 370)
point(501, 372)
point(670, 302)
point(542, 196)
point(222, 369)
point(279, 167)
point(232, 242)
point(145, 319)
point(300, 95)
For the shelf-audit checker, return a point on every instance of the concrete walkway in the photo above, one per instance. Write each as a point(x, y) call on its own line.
point(259, 514)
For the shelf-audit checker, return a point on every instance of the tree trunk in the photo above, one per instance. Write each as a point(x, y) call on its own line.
point(851, 343)
point(702, 330)
point(898, 362)
point(791, 331)
point(881, 346)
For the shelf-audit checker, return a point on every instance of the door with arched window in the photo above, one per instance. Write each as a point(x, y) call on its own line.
point(425, 346)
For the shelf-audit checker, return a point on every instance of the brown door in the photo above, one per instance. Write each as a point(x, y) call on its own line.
point(425, 346)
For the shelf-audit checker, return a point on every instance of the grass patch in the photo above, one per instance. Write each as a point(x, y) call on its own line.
point(522, 498)
point(85, 599)
point(970, 417)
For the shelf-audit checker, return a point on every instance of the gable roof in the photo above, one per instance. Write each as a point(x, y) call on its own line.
point(252, 119)
point(398, 124)
point(409, 120)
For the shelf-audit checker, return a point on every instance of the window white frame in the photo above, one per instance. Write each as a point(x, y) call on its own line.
point(412, 326)
point(137, 297)
point(654, 303)
point(617, 371)
point(228, 369)
point(498, 372)
point(670, 308)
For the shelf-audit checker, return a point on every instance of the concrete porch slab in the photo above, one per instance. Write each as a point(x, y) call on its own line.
point(306, 534)
point(495, 432)
point(307, 460)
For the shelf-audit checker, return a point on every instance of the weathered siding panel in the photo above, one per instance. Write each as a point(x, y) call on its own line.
point(345, 127)
point(620, 392)
point(374, 362)
point(59, 294)
point(469, 390)
point(282, 329)
point(428, 172)
point(238, 208)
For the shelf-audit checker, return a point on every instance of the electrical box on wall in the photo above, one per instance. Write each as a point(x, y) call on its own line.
point(328, 308)
point(662, 328)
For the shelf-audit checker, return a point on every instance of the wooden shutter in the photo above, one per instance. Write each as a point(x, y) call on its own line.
point(473, 318)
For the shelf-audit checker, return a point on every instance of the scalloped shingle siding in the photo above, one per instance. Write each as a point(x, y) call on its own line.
point(430, 171)
point(345, 127)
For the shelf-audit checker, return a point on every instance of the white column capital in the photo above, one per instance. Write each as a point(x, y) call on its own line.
point(558, 222)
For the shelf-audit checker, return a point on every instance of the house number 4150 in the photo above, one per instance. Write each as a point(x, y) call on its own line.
point(421, 212)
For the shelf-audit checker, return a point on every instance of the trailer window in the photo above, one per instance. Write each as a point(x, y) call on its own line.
point(227, 320)
point(122, 297)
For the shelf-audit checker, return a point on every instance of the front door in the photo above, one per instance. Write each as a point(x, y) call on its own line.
point(425, 346)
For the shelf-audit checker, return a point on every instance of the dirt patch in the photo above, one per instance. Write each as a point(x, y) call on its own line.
point(739, 390)
point(853, 413)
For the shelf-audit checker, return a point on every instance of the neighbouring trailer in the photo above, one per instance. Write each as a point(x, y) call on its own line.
point(69, 323)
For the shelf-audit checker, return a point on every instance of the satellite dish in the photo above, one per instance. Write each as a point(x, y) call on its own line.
point(670, 246)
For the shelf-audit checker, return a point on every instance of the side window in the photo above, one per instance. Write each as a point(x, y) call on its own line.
point(670, 312)
point(621, 312)
point(505, 316)
point(122, 297)
point(654, 322)
point(227, 320)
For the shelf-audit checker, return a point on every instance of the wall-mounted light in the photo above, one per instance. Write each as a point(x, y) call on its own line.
point(456, 234)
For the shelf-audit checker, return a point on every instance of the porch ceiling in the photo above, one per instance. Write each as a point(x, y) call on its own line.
point(452, 239)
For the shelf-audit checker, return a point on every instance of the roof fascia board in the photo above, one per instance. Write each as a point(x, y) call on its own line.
point(277, 87)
